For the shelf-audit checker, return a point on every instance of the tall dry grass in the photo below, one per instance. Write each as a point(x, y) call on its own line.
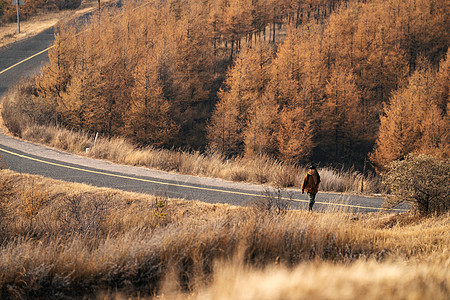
point(80, 240)
point(361, 280)
point(260, 170)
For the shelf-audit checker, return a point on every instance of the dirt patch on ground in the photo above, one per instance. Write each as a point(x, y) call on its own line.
point(44, 20)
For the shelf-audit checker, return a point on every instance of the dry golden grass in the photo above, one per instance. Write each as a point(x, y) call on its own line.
point(81, 240)
point(361, 280)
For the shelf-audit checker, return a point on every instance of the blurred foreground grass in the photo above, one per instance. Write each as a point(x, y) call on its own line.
point(66, 240)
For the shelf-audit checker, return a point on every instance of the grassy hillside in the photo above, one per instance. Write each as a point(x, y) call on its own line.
point(70, 240)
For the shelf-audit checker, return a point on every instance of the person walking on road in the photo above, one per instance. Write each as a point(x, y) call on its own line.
point(311, 185)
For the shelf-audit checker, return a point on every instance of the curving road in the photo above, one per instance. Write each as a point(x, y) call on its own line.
point(25, 58)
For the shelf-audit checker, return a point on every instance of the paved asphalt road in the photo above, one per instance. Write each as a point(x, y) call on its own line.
point(25, 157)
point(19, 51)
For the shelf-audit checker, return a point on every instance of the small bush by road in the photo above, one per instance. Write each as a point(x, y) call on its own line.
point(423, 181)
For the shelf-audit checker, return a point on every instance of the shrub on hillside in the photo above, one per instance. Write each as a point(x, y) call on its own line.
point(21, 109)
point(423, 181)
point(84, 213)
point(272, 202)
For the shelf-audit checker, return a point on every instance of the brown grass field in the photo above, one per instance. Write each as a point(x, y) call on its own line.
point(65, 240)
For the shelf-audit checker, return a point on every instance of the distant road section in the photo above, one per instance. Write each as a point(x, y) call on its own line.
point(23, 58)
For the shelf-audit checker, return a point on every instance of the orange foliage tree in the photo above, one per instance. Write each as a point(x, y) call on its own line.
point(413, 121)
point(245, 90)
point(156, 72)
point(341, 122)
point(294, 135)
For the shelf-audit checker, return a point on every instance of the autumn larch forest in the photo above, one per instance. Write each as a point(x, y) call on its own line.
point(340, 82)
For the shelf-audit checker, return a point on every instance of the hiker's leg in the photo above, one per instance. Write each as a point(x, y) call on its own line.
point(311, 200)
